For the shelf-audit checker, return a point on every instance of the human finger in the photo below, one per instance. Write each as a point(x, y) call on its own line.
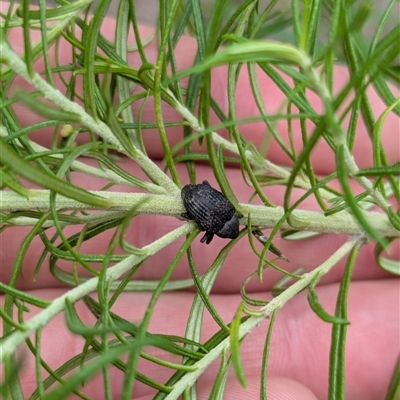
point(299, 348)
point(323, 157)
point(240, 263)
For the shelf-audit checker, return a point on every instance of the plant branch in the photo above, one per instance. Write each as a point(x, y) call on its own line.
point(171, 205)
point(11, 342)
point(190, 378)
point(99, 127)
point(266, 165)
point(340, 140)
point(79, 166)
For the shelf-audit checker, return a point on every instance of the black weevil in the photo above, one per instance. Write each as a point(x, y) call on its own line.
point(211, 210)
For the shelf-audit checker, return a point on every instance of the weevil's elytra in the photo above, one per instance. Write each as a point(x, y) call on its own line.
point(211, 210)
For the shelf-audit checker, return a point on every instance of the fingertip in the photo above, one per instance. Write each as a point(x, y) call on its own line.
point(278, 388)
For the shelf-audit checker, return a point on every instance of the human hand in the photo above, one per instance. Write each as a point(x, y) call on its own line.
point(298, 363)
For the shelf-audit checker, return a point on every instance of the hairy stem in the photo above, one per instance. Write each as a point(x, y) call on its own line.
point(190, 378)
point(96, 126)
point(171, 205)
point(9, 344)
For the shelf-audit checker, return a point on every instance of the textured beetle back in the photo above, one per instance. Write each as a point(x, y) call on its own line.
point(208, 207)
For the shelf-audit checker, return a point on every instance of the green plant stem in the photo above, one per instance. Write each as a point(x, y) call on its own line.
point(11, 342)
point(190, 378)
point(79, 166)
point(54, 32)
point(261, 216)
point(267, 166)
point(165, 32)
point(340, 139)
point(99, 127)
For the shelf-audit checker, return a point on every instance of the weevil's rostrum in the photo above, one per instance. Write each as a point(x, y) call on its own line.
point(211, 210)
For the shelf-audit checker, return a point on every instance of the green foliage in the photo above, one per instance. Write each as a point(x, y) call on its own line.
point(86, 100)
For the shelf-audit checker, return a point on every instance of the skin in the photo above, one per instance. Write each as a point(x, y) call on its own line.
point(298, 364)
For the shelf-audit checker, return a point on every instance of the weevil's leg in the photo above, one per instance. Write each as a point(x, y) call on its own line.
point(208, 236)
point(185, 215)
